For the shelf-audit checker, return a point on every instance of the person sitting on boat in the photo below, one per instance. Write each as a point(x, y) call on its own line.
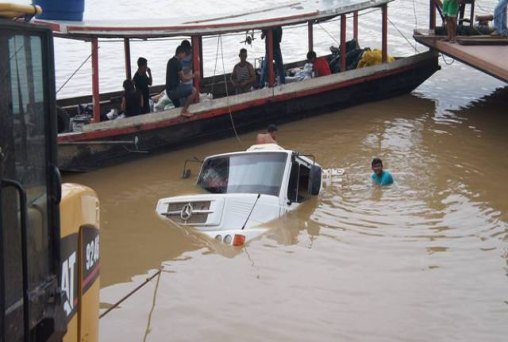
point(277, 56)
point(176, 89)
point(380, 176)
point(270, 137)
point(142, 80)
point(243, 76)
point(132, 100)
point(320, 65)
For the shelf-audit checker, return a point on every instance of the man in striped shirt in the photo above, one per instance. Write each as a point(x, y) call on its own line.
point(243, 76)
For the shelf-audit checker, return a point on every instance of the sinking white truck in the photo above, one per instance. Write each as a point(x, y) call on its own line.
point(242, 191)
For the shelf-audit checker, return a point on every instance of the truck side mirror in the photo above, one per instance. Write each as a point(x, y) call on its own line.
point(314, 180)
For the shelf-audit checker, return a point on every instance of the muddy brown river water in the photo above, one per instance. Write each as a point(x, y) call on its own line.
point(422, 260)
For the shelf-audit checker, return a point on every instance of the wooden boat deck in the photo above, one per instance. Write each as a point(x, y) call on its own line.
point(484, 53)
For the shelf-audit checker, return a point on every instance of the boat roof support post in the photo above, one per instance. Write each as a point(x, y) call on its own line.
point(355, 25)
point(269, 57)
point(384, 39)
point(201, 68)
point(343, 51)
point(432, 15)
point(95, 81)
point(127, 49)
point(196, 58)
point(310, 33)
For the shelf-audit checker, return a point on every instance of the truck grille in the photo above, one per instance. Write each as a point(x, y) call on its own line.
point(188, 213)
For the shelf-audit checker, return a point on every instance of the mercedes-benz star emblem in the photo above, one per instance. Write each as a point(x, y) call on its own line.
point(186, 212)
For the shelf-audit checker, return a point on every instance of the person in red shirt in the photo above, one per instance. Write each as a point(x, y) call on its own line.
point(320, 65)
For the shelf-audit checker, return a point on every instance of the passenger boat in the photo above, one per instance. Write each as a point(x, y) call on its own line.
point(243, 191)
point(100, 143)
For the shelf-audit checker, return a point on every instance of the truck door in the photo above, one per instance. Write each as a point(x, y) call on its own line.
point(30, 186)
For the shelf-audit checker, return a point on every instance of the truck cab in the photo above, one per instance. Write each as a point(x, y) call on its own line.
point(241, 191)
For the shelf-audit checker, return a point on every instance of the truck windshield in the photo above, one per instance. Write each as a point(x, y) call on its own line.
point(259, 173)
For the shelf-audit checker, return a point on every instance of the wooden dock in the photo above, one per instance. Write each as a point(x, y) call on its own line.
point(485, 53)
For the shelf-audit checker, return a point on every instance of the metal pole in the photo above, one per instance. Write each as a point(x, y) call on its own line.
point(201, 76)
point(95, 81)
point(343, 51)
point(432, 16)
point(355, 25)
point(310, 33)
point(196, 64)
point(269, 59)
point(127, 49)
point(384, 43)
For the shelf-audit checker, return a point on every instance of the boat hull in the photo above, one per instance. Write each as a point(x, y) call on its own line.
point(112, 142)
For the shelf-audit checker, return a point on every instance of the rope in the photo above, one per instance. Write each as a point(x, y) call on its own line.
point(416, 23)
point(414, 13)
point(444, 60)
point(215, 66)
point(334, 20)
point(147, 330)
point(130, 294)
point(74, 73)
point(227, 94)
point(403, 36)
point(329, 34)
point(5, 73)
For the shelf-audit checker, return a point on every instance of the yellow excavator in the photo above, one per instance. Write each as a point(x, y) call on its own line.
point(49, 231)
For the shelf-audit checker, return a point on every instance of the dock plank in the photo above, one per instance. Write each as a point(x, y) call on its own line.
point(488, 58)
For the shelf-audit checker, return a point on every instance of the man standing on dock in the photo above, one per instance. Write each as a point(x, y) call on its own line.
point(500, 19)
point(450, 11)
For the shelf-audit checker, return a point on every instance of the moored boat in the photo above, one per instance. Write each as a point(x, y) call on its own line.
point(100, 143)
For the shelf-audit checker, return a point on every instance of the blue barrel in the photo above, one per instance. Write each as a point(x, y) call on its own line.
point(61, 9)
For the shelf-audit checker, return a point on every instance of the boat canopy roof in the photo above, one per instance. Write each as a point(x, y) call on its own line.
point(290, 13)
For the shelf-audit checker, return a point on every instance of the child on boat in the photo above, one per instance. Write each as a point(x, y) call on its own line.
point(132, 100)
point(142, 80)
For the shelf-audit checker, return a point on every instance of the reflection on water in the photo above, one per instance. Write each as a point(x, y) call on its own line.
point(424, 259)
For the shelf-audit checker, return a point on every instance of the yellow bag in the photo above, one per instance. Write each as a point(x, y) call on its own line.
point(372, 57)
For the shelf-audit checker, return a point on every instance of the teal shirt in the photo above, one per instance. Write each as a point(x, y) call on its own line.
point(384, 179)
